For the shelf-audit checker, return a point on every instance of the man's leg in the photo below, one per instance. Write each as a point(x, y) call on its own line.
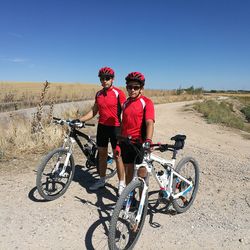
point(103, 154)
point(120, 173)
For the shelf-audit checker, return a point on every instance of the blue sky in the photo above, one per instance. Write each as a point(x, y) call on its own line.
point(177, 43)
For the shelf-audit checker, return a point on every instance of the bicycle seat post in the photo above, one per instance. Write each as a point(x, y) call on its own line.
point(174, 154)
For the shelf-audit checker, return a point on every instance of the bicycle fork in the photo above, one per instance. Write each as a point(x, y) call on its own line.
point(66, 162)
point(142, 201)
point(136, 218)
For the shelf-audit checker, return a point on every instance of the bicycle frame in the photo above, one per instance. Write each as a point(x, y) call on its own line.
point(148, 160)
point(73, 137)
point(70, 139)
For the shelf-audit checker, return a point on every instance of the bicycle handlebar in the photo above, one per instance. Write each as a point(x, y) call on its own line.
point(157, 146)
point(71, 124)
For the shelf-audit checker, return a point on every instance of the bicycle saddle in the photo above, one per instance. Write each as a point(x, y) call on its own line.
point(179, 141)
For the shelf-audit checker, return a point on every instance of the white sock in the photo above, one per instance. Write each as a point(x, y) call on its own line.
point(122, 183)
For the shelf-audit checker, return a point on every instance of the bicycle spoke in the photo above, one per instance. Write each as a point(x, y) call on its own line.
point(187, 168)
point(53, 178)
point(125, 230)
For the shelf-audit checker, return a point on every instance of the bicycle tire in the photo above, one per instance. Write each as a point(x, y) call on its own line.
point(111, 167)
point(49, 188)
point(183, 203)
point(115, 219)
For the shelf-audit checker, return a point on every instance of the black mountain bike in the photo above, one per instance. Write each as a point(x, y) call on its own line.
point(57, 169)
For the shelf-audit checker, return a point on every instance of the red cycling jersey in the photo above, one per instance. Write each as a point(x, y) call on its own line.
point(135, 112)
point(108, 105)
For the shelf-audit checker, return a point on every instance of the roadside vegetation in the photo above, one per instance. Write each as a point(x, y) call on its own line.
point(232, 111)
point(39, 135)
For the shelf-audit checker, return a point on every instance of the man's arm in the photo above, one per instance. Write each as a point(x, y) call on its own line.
point(90, 114)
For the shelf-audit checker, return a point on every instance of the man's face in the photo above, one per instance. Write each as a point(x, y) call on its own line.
point(106, 81)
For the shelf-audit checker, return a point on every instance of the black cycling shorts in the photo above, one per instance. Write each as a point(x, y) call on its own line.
point(106, 134)
point(129, 154)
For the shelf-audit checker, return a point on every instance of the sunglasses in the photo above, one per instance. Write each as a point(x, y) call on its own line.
point(105, 78)
point(134, 87)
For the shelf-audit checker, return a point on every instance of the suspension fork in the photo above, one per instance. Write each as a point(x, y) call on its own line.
point(142, 200)
point(69, 153)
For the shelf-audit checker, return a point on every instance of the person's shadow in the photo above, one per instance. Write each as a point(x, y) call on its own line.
point(96, 236)
point(158, 205)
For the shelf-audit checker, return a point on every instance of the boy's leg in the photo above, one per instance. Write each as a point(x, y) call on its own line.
point(129, 170)
point(120, 167)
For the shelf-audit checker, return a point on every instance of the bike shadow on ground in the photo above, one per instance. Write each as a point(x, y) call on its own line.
point(33, 194)
point(87, 176)
point(157, 205)
point(96, 236)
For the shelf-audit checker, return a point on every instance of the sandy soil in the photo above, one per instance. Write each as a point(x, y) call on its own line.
point(219, 218)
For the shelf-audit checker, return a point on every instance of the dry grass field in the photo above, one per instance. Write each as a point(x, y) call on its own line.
point(19, 95)
point(38, 135)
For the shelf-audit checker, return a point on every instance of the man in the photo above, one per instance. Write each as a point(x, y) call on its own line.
point(108, 102)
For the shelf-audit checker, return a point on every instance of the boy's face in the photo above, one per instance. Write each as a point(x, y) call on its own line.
point(134, 89)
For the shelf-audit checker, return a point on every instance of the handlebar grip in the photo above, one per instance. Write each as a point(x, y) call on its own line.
point(89, 124)
point(55, 118)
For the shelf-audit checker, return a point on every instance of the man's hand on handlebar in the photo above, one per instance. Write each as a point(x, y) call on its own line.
point(78, 123)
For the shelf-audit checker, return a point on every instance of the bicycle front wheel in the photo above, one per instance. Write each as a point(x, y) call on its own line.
point(53, 179)
point(187, 167)
point(124, 230)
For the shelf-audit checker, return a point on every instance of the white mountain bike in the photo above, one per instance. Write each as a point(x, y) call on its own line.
point(56, 171)
point(178, 185)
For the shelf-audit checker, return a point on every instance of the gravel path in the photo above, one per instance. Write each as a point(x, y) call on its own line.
point(219, 218)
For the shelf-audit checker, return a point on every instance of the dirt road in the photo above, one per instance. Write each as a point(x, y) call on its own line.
point(219, 218)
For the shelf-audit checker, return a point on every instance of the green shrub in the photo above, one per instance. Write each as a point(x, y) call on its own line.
point(219, 113)
point(246, 112)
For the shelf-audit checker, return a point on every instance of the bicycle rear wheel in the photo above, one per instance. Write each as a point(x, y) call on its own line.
point(187, 167)
point(51, 181)
point(124, 231)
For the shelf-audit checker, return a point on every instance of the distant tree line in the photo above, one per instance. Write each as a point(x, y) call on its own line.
point(191, 90)
point(227, 91)
point(197, 91)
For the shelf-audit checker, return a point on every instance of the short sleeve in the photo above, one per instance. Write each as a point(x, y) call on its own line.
point(149, 110)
